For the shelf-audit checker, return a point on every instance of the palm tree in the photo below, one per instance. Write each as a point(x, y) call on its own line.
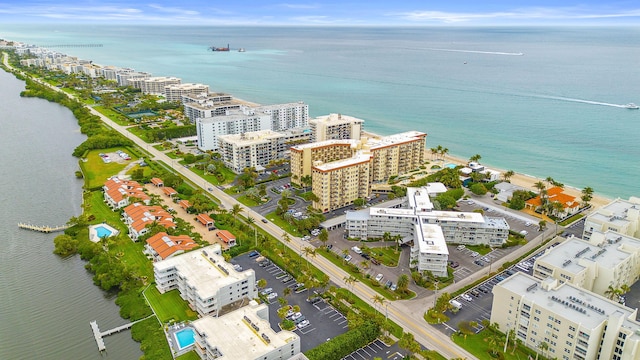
point(323, 237)
point(444, 152)
point(251, 221)
point(309, 251)
point(550, 181)
point(403, 283)
point(285, 238)
point(439, 149)
point(540, 186)
point(350, 281)
point(612, 292)
point(557, 208)
point(508, 175)
point(544, 347)
point(434, 151)
point(378, 300)
point(235, 211)
point(475, 158)
point(587, 195)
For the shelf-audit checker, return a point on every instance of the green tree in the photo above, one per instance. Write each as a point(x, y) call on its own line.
point(323, 237)
point(475, 158)
point(587, 196)
point(508, 175)
point(478, 188)
point(403, 283)
point(65, 245)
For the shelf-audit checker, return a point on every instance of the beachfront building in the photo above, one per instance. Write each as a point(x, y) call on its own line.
point(162, 246)
point(469, 228)
point(175, 92)
point(138, 217)
point(155, 85)
point(622, 216)
point(570, 205)
point(337, 184)
point(429, 251)
point(257, 149)
point(205, 280)
point(243, 334)
point(208, 105)
point(608, 259)
point(119, 193)
point(286, 116)
point(335, 127)
point(125, 75)
point(572, 322)
point(487, 175)
point(242, 120)
point(387, 156)
point(506, 190)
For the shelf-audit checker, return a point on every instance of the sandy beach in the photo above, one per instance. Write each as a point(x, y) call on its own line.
point(528, 182)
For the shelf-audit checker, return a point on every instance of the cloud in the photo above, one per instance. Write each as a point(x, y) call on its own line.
point(532, 13)
point(299, 6)
point(173, 10)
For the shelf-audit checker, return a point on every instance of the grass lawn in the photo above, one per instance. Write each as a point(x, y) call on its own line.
point(169, 306)
point(247, 201)
point(480, 249)
point(358, 303)
point(386, 255)
point(229, 176)
point(115, 116)
point(96, 171)
point(283, 224)
point(191, 355)
point(102, 212)
point(478, 345)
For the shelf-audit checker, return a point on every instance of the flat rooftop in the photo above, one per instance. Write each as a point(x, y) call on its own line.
point(334, 165)
point(204, 270)
point(430, 239)
point(597, 308)
point(237, 339)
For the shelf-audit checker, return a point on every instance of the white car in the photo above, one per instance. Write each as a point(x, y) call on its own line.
point(466, 297)
point(379, 277)
point(295, 316)
point(356, 250)
point(303, 324)
point(272, 296)
point(347, 258)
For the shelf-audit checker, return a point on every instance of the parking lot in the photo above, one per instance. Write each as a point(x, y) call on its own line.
point(324, 322)
point(374, 350)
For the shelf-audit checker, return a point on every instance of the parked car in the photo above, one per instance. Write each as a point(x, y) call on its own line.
point(266, 291)
point(379, 277)
point(356, 250)
point(303, 324)
point(295, 316)
point(466, 297)
point(347, 258)
point(254, 254)
point(479, 263)
point(272, 296)
point(393, 287)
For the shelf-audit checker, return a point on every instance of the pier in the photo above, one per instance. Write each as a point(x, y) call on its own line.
point(43, 228)
point(99, 335)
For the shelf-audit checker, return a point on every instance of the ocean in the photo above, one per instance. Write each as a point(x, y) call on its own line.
point(544, 101)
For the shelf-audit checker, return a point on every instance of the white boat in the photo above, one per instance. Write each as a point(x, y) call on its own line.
point(632, 106)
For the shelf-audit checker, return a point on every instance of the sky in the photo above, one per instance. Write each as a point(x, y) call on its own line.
point(324, 12)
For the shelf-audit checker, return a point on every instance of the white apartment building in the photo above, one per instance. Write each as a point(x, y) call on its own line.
point(622, 216)
point(336, 127)
point(243, 334)
point(573, 323)
point(287, 116)
point(205, 279)
point(234, 122)
point(468, 228)
point(607, 259)
point(256, 149)
point(174, 92)
point(429, 251)
point(156, 85)
point(126, 77)
point(208, 105)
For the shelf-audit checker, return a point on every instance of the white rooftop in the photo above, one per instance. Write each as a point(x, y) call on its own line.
point(205, 270)
point(430, 239)
point(236, 339)
point(351, 142)
point(334, 165)
point(549, 295)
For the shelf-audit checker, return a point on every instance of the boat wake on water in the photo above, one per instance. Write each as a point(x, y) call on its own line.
point(478, 52)
point(626, 106)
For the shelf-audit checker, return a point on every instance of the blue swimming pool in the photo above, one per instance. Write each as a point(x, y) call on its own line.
point(185, 337)
point(103, 231)
point(451, 166)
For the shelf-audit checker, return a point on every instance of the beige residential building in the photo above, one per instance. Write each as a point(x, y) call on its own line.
point(338, 183)
point(389, 155)
point(622, 216)
point(156, 85)
point(607, 259)
point(174, 92)
point(243, 334)
point(336, 127)
point(573, 323)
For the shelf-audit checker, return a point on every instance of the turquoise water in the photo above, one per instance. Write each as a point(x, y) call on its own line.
point(185, 337)
point(544, 101)
point(102, 231)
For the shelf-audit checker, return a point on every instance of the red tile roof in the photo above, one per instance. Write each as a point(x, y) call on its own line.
point(157, 181)
point(556, 193)
point(166, 245)
point(141, 215)
point(184, 204)
point(205, 219)
point(117, 189)
point(169, 191)
point(225, 236)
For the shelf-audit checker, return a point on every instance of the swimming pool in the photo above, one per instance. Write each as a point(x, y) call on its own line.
point(451, 166)
point(103, 232)
point(185, 338)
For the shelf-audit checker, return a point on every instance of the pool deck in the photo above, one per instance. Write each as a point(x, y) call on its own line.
point(93, 233)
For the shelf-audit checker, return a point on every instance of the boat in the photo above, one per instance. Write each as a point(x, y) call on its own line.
point(213, 48)
point(632, 106)
point(241, 50)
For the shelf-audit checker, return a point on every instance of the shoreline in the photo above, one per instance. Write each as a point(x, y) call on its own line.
point(528, 181)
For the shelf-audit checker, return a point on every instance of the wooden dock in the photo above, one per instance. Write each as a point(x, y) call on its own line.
point(43, 228)
point(98, 335)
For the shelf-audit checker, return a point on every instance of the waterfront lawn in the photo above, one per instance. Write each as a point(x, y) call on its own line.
point(102, 213)
point(96, 171)
point(152, 340)
point(169, 306)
